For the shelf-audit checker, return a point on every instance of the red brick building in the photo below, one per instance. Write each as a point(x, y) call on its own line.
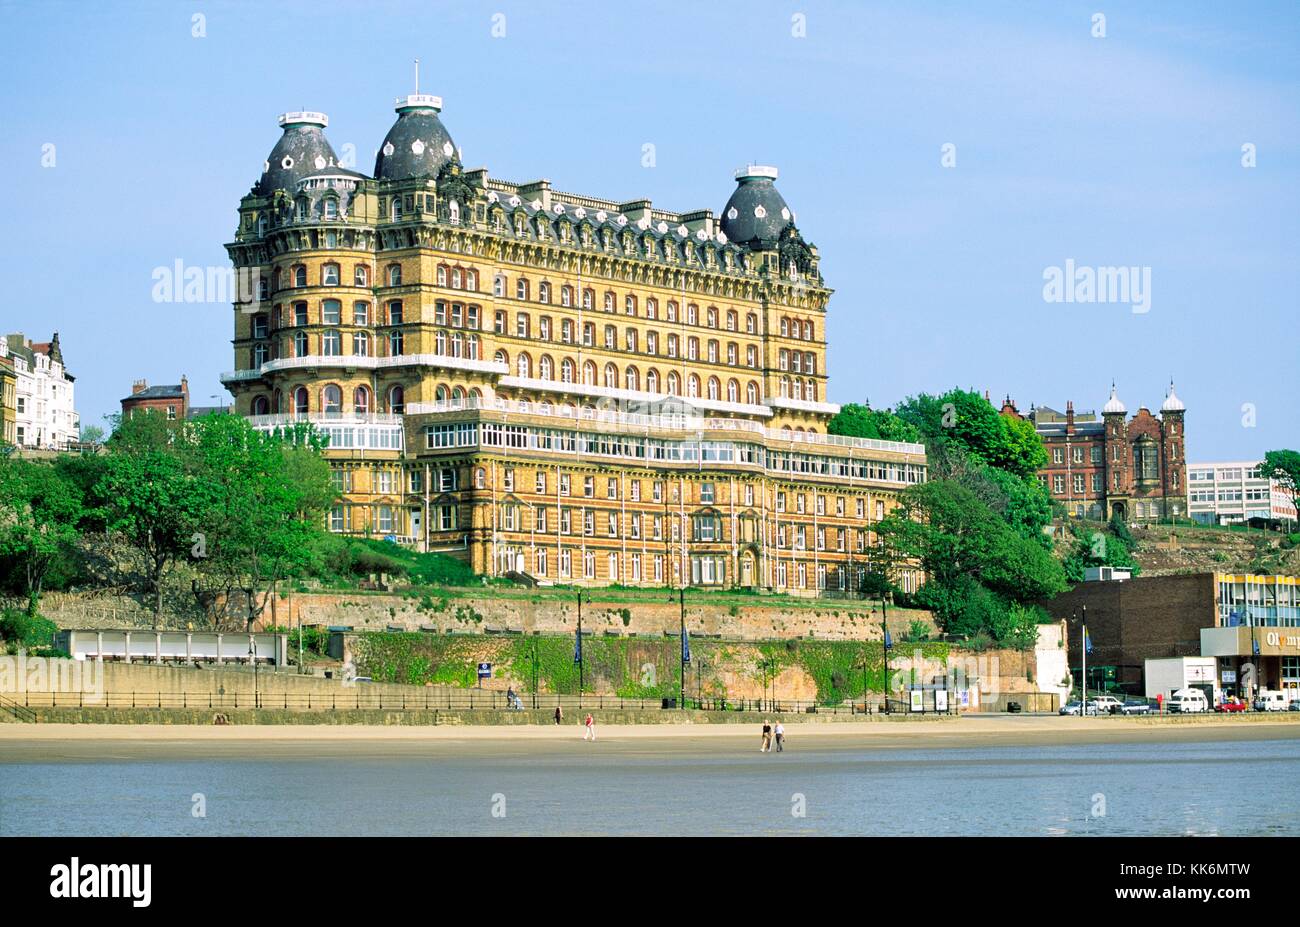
point(172, 401)
point(1114, 465)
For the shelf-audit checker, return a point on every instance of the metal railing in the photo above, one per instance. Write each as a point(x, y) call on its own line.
point(358, 698)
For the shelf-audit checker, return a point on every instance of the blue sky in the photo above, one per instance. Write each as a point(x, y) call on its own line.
point(1122, 150)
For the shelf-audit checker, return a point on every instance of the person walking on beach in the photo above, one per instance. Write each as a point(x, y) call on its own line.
point(780, 737)
point(591, 728)
point(559, 714)
point(767, 737)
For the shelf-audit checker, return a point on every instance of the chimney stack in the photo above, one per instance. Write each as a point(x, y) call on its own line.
point(139, 386)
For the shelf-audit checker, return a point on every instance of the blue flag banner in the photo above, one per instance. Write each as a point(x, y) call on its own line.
point(577, 648)
point(1234, 619)
point(1087, 641)
point(686, 646)
point(889, 641)
point(1254, 646)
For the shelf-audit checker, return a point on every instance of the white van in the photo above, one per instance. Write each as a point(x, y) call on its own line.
point(1270, 701)
point(1187, 701)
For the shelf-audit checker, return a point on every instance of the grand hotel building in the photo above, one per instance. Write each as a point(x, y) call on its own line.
point(579, 389)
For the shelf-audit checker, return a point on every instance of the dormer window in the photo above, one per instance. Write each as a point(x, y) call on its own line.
point(395, 209)
point(301, 208)
point(331, 208)
point(261, 225)
point(453, 211)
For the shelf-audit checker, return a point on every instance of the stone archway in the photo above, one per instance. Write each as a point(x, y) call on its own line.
point(1119, 510)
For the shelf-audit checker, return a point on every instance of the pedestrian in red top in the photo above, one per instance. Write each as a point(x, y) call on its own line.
point(591, 728)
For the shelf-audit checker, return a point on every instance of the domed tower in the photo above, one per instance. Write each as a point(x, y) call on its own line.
point(418, 144)
point(756, 214)
point(1172, 425)
point(301, 150)
point(1119, 481)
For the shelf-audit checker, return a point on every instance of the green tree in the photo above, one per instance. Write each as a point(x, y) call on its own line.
point(152, 499)
point(270, 494)
point(39, 512)
point(1284, 466)
point(975, 562)
point(861, 421)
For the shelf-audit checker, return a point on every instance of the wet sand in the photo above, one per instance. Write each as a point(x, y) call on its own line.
point(22, 743)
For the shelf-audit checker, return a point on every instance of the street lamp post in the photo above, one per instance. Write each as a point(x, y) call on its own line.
point(252, 654)
point(578, 651)
point(682, 641)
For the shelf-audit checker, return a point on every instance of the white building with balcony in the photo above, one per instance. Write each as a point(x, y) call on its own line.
point(46, 409)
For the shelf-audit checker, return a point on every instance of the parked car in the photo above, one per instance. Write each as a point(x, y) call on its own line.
point(1294, 706)
point(1187, 701)
point(1270, 701)
point(1132, 706)
point(1072, 708)
point(1107, 704)
point(1231, 703)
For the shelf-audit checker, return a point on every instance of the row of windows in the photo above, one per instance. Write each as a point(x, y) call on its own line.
point(712, 316)
point(329, 399)
point(640, 448)
point(631, 378)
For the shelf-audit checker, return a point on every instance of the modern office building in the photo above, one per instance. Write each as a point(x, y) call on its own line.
point(581, 389)
point(1234, 492)
point(1249, 624)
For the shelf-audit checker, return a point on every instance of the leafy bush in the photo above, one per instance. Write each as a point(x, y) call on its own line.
point(19, 629)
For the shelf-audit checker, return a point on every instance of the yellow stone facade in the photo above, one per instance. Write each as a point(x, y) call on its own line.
point(579, 389)
point(8, 402)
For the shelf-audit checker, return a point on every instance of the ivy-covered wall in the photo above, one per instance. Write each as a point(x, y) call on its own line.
point(829, 671)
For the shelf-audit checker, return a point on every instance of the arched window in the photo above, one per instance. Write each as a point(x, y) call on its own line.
point(693, 386)
point(524, 365)
point(361, 400)
point(501, 357)
point(589, 373)
point(300, 400)
point(395, 312)
point(651, 308)
point(733, 391)
point(807, 331)
point(300, 344)
point(457, 344)
point(609, 302)
point(809, 363)
point(277, 400)
point(711, 317)
point(545, 367)
point(471, 347)
point(331, 398)
point(499, 286)
point(611, 375)
point(397, 400)
point(731, 320)
point(566, 296)
point(457, 279)
point(588, 299)
point(521, 288)
point(361, 275)
point(652, 380)
point(458, 395)
point(674, 384)
point(543, 292)
point(329, 274)
point(300, 276)
point(810, 391)
point(441, 275)
point(261, 406)
point(631, 379)
point(395, 275)
point(751, 323)
point(441, 394)
point(395, 209)
point(566, 371)
point(751, 393)
point(715, 388)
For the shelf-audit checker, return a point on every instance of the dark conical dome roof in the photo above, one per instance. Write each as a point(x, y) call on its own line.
point(756, 212)
point(301, 150)
point(418, 144)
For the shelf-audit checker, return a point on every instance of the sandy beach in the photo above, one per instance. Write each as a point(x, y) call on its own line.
point(27, 743)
